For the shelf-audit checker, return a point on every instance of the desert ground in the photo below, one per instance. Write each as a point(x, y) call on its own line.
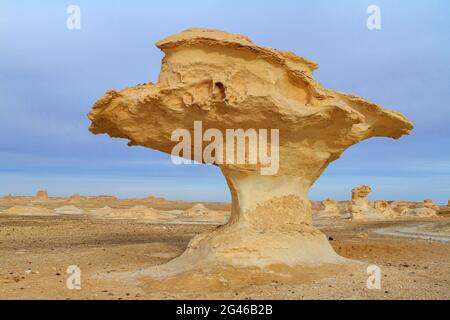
point(36, 250)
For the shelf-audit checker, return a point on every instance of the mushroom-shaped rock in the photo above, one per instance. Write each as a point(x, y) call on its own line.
point(227, 82)
point(362, 209)
point(360, 195)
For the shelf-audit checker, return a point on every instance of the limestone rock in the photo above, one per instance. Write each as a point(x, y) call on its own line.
point(408, 210)
point(69, 210)
point(198, 209)
point(28, 211)
point(422, 212)
point(360, 208)
point(143, 212)
point(41, 195)
point(102, 212)
point(156, 200)
point(102, 198)
point(76, 198)
point(200, 213)
point(330, 209)
point(360, 196)
point(136, 212)
point(228, 82)
point(386, 209)
point(428, 203)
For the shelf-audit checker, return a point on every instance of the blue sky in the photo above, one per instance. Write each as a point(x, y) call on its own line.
point(50, 77)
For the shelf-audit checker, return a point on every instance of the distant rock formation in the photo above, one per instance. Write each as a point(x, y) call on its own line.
point(69, 210)
point(360, 209)
point(386, 209)
point(76, 198)
point(420, 213)
point(360, 196)
point(101, 198)
point(407, 210)
point(330, 209)
point(429, 204)
point(28, 211)
point(41, 196)
point(156, 200)
point(103, 212)
point(198, 209)
point(135, 212)
point(200, 213)
point(228, 82)
point(16, 199)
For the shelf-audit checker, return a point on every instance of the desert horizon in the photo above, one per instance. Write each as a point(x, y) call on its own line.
point(41, 236)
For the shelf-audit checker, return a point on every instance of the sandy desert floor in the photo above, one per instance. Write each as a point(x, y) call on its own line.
point(36, 251)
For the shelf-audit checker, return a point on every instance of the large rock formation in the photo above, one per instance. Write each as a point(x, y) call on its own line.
point(428, 203)
point(386, 208)
point(362, 209)
point(156, 200)
point(75, 198)
point(41, 196)
point(407, 210)
point(330, 209)
point(360, 201)
point(227, 82)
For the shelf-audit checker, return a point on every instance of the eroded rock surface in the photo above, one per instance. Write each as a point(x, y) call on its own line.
point(330, 209)
point(69, 210)
point(228, 82)
point(405, 210)
point(360, 207)
point(200, 213)
point(28, 210)
point(76, 198)
point(139, 212)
